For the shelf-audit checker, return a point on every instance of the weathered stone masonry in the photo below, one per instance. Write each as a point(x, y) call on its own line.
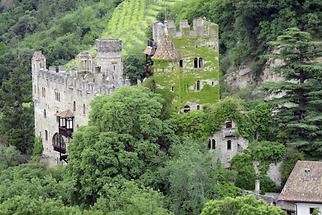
point(68, 92)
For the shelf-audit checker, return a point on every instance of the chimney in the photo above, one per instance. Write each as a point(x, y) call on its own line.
point(307, 174)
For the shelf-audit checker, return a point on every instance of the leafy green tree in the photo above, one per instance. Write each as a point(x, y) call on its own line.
point(38, 147)
point(299, 118)
point(127, 197)
point(189, 175)
point(34, 181)
point(16, 124)
point(10, 156)
point(134, 67)
point(125, 138)
point(246, 205)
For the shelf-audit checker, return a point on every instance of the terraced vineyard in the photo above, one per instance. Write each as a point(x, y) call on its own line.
point(131, 19)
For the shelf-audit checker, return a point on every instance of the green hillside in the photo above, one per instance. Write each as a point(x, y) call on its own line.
point(131, 19)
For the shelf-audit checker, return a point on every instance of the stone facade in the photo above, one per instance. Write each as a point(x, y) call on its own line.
point(225, 144)
point(185, 62)
point(58, 91)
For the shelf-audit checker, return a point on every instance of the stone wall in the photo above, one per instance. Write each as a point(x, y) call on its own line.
point(224, 151)
point(57, 90)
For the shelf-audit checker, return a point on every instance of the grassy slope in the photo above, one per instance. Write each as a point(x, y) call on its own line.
point(131, 20)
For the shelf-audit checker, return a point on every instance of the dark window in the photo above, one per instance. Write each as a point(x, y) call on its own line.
point(200, 63)
point(209, 144)
point(212, 83)
point(57, 96)
point(181, 63)
point(45, 113)
point(46, 135)
point(228, 144)
point(74, 106)
point(84, 109)
point(229, 124)
point(198, 86)
point(198, 107)
point(173, 88)
point(186, 109)
point(213, 144)
point(312, 210)
point(195, 63)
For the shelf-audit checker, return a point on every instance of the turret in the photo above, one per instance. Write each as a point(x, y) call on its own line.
point(38, 61)
point(85, 62)
point(109, 60)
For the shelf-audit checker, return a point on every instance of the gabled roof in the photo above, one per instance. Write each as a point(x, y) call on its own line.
point(166, 49)
point(65, 114)
point(304, 184)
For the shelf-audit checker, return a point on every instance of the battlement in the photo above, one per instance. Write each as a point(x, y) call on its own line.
point(199, 28)
point(108, 45)
point(85, 84)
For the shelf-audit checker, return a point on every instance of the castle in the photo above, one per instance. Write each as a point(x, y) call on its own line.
point(62, 96)
point(185, 64)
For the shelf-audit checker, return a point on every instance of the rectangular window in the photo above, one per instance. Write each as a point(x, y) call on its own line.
point(74, 106)
point(46, 135)
point(43, 92)
point(84, 109)
point(213, 144)
point(45, 113)
point(228, 144)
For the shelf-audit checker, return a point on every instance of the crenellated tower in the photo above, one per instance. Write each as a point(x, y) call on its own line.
point(184, 63)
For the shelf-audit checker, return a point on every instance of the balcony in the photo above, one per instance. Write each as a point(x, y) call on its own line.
point(230, 132)
point(66, 132)
point(59, 148)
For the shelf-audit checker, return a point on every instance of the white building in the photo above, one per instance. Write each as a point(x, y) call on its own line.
point(304, 187)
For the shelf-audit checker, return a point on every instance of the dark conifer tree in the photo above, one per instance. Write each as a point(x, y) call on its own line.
point(299, 115)
point(16, 121)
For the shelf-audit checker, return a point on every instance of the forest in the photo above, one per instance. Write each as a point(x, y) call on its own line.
point(137, 155)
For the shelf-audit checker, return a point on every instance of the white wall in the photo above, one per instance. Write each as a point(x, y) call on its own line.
point(304, 208)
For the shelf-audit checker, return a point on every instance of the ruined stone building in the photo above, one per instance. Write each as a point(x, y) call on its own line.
point(184, 63)
point(62, 95)
point(225, 144)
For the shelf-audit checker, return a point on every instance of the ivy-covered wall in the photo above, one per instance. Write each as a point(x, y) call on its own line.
point(181, 82)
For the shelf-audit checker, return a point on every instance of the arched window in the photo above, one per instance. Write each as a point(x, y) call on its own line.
point(195, 63)
point(228, 144)
point(200, 62)
point(229, 124)
point(198, 87)
point(58, 143)
point(213, 141)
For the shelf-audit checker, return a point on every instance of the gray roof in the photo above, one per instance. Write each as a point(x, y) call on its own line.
point(304, 184)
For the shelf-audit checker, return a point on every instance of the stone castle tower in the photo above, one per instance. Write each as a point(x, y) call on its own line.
point(62, 96)
point(184, 63)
